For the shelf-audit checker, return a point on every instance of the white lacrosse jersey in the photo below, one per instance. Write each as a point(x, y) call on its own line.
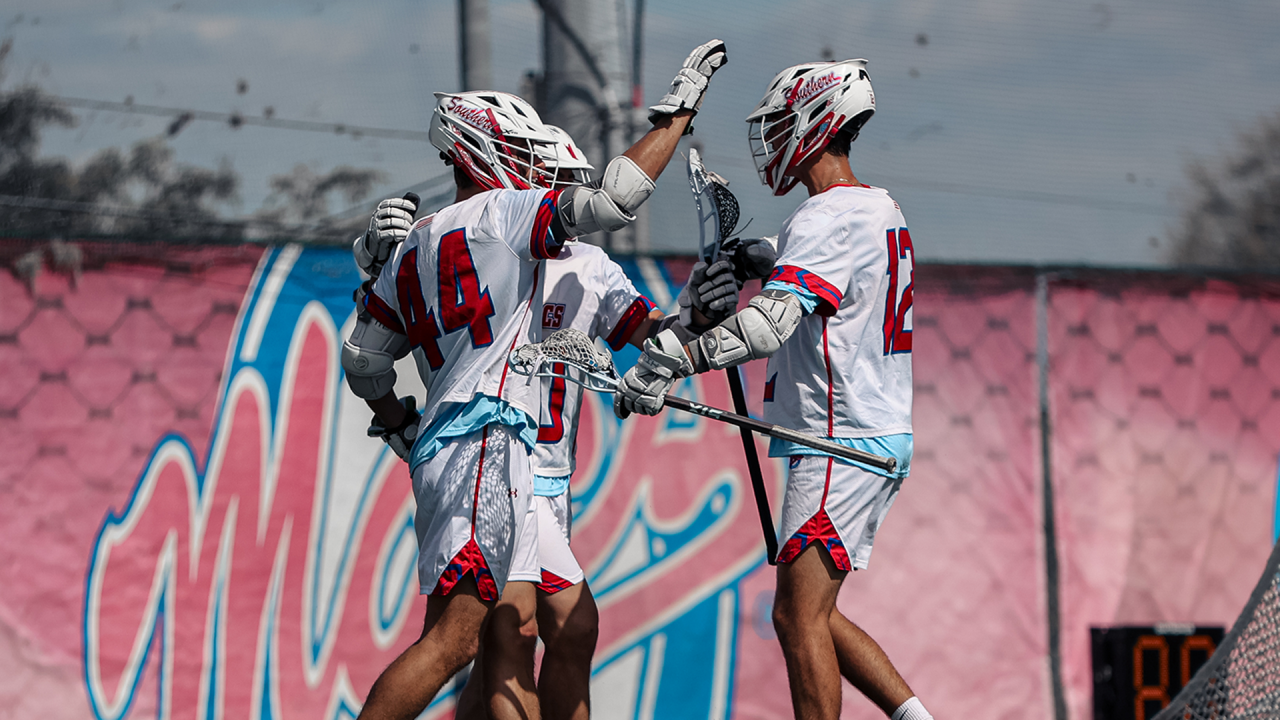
point(846, 371)
point(462, 287)
point(589, 292)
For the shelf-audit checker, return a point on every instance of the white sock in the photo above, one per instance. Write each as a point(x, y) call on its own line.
point(912, 709)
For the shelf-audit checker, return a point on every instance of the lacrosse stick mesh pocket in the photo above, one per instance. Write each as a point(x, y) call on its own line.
point(573, 347)
point(727, 207)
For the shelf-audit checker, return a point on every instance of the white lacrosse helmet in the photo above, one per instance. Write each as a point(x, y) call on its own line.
point(565, 160)
point(804, 107)
point(493, 137)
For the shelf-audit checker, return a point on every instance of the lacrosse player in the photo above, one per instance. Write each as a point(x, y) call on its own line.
point(834, 319)
point(586, 291)
point(458, 291)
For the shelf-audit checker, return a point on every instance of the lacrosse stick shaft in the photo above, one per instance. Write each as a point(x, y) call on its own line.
point(753, 467)
point(887, 464)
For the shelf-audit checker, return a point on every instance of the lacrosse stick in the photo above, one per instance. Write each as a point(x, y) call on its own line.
point(592, 368)
point(718, 217)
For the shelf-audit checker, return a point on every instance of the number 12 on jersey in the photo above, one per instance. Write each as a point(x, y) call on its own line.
point(897, 307)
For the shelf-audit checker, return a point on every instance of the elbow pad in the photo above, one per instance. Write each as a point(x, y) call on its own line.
point(369, 357)
point(611, 206)
point(753, 334)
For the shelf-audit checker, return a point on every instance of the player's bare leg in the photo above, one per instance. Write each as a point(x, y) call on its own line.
point(471, 700)
point(806, 595)
point(569, 624)
point(449, 640)
point(510, 638)
point(866, 666)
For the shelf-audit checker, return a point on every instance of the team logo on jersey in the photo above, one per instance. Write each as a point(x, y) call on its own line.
point(803, 92)
point(552, 316)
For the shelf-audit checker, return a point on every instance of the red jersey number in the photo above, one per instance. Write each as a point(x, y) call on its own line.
point(551, 434)
point(902, 260)
point(463, 303)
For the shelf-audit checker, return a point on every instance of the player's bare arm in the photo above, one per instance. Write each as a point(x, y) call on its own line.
point(609, 204)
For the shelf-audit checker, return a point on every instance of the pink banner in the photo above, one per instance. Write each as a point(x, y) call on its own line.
point(1166, 398)
point(195, 526)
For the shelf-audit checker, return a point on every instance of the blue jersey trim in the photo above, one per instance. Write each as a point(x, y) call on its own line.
point(550, 485)
point(899, 446)
point(460, 419)
point(808, 300)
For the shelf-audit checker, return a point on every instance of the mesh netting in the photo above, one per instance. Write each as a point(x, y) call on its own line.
point(726, 207)
point(569, 346)
point(1241, 680)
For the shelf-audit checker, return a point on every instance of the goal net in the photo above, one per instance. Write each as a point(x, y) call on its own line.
point(1242, 679)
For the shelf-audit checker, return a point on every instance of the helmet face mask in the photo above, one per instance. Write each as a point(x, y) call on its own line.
point(804, 107)
point(495, 138)
point(566, 164)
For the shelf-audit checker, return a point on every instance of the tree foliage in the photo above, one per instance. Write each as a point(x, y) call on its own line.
point(1231, 216)
point(143, 193)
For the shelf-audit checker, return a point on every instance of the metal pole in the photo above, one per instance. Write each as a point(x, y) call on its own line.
point(1053, 609)
point(473, 45)
point(585, 82)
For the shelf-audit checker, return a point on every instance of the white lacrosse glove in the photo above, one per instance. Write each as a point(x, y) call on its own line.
point(691, 81)
point(389, 226)
point(399, 439)
point(645, 386)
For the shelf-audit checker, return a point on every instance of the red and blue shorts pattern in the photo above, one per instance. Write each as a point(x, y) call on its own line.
point(837, 506)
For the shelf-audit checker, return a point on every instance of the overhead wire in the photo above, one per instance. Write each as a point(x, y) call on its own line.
point(236, 119)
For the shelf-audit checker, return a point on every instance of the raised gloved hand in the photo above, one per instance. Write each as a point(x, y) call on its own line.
point(389, 226)
point(401, 438)
point(691, 81)
point(645, 386)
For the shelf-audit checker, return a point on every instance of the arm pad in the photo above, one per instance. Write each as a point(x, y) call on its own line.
point(369, 356)
point(755, 333)
point(364, 259)
point(611, 206)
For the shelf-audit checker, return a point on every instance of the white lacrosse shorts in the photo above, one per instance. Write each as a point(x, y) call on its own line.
point(524, 561)
point(840, 506)
point(560, 569)
point(473, 503)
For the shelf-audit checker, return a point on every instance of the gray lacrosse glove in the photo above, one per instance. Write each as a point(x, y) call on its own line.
point(645, 386)
point(691, 81)
point(752, 258)
point(713, 291)
point(399, 439)
point(389, 226)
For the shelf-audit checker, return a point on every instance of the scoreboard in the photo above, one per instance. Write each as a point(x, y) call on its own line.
point(1137, 670)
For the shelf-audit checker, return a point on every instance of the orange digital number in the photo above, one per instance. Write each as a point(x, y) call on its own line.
point(1150, 692)
point(1194, 642)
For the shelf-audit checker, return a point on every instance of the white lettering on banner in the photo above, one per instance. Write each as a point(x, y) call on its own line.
point(277, 573)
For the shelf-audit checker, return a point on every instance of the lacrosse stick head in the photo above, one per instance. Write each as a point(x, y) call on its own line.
point(568, 354)
point(717, 207)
